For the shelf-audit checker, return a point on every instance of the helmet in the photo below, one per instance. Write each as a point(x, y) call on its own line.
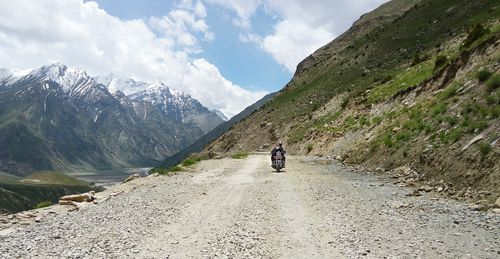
point(280, 144)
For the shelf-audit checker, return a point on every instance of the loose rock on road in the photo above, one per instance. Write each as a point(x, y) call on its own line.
point(242, 209)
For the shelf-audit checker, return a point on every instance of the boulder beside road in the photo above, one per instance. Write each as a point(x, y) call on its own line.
point(132, 177)
point(83, 197)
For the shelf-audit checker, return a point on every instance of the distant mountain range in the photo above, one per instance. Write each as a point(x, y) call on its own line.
point(60, 118)
point(206, 139)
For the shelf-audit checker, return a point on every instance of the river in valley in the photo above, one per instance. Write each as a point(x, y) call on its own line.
point(108, 177)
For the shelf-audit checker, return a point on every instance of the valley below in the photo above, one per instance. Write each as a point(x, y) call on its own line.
point(109, 177)
point(240, 208)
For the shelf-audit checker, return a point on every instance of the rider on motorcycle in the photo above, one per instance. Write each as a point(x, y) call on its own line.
point(278, 147)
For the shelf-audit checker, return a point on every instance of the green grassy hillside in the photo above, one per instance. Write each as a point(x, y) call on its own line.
point(400, 88)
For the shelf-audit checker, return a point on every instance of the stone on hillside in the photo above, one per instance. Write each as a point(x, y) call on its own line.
point(496, 210)
point(497, 203)
point(66, 202)
point(415, 193)
point(403, 170)
point(472, 141)
point(132, 177)
point(83, 197)
point(425, 188)
point(478, 207)
point(154, 175)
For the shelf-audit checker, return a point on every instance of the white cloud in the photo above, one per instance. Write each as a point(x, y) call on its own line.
point(202, 74)
point(303, 27)
point(180, 26)
point(244, 9)
point(292, 41)
point(35, 33)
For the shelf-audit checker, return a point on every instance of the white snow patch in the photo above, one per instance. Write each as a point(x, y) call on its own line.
point(45, 103)
point(97, 116)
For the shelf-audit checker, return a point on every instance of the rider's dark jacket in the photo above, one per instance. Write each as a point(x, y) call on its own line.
point(276, 149)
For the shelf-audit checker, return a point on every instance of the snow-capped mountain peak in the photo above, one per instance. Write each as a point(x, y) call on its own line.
point(68, 78)
point(126, 86)
point(76, 83)
point(12, 75)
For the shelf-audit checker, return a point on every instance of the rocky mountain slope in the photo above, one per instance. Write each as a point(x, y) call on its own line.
point(411, 88)
point(176, 105)
point(60, 118)
point(200, 143)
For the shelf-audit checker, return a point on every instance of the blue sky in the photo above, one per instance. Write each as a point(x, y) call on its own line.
point(225, 53)
point(243, 63)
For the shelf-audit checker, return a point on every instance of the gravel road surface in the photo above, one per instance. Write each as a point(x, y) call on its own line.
point(231, 208)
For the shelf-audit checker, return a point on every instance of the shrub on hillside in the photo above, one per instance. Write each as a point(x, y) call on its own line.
point(493, 83)
point(484, 148)
point(43, 204)
point(166, 171)
point(475, 33)
point(441, 61)
point(483, 74)
point(188, 162)
point(388, 141)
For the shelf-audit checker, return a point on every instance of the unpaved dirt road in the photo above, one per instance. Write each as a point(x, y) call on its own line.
point(241, 209)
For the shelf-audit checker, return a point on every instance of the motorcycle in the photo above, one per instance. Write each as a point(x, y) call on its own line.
point(278, 162)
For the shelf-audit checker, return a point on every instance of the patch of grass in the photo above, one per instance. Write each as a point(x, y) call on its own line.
point(451, 136)
point(388, 141)
point(477, 32)
point(495, 112)
point(377, 120)
point(484, 148)
point(451, 120)
point(43, 204)
point(166, 171)
point(403, 136)
point(450, 91)
point(414, 125)
point(176, 169)
point(298, 133)
point(240, 155)
point(483, 74)
point(49, 177)
point(493, 83)
point(193, 159)
point(405, 79)
point(188, 162)
point(364, 121)
point(440, 62)
point(470, 125)
point(439, 108)
point(490, 100)
point(327, 120)
point(349, 122)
